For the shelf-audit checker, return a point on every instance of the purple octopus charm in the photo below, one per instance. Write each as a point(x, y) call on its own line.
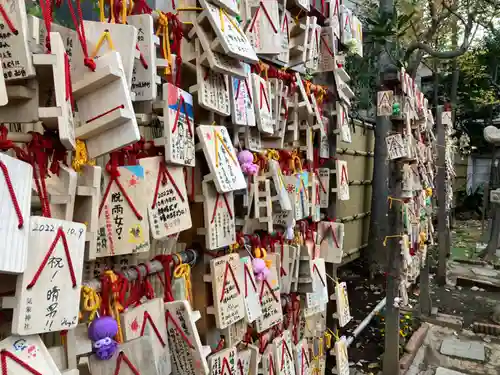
point(101, 332)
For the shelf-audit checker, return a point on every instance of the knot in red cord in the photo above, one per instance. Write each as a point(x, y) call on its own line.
point(141, 7)
point(89, 63)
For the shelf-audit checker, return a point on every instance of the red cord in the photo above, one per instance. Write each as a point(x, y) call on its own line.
point(69, 88)
point(105, 113)
point(284, 346)
point(147, 318)
point(141, 7)
point(6, 354)
point(182, 102)
point(248, 90)
point(80, 30)
point(168, 263)
point(248, 276)
point(263, 91)
point(228, 268)
point(142, 58)
point(8, 21)
point(264, 282)
point(267, 15)
point(12, 194)
point(216, 204)
point(123, 357)
point(164, 176)
point(60, 235)
point(46, 6)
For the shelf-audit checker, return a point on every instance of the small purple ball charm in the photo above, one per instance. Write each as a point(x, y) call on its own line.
point(101, 332)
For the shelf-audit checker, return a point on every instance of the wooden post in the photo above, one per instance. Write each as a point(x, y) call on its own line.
point(441, 197)
point(425, 297)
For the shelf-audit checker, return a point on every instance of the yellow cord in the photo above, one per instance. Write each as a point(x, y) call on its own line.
point(81, 157)
point(115, 307)
point(166, 52)
point(124, 11)
point(102, 17)
point(183, 270)
point(104, 36)
point(91, 302)
point(223, 13)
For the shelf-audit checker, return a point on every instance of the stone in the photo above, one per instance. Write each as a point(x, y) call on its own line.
point(445, 371)
point(417, 338)
point(464, 349)
point(485, 272)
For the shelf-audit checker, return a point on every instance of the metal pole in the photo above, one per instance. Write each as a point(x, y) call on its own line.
point(149, 268)
point(366, 321)
point(441, 197)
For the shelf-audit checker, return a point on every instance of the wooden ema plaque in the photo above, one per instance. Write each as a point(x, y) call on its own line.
point(241, 98)
point(396, 147)
point(385, 100)
point(319, 297)
point(341, 357)
point(15, 213)
point(343, 123)
point(26, 355)
point(300, 202)
point(123, 226)
point(53, 72)
point(323, 175)
point(213, 93)
point(168, 206)
point(263, 31)
point(62, 192)
point(328, 45)
point(319, 119)
point(253, 140)
point(253, 308)
point(14, 49)
point(178, 126)
point(269, 295)
point(343, 311)
point(227, 290)
point(302, 358)
point(221, 158)
point(313, 45)
point(283, 349)
point(184, 340)
point(248, 361)
point(304, 99)
point(269, 360)
point(144, 75)
point(50, 286)
point(230, 36)
point(279, 186)
point(131, 358)
point(263, 110)
point(342, 180)
point(224, 362)
point(104, 107)
point(334, 17)
point(315, 203)
point(103, 38)
point(86, 208)
point(235, 333)
point(287, 218)
point(148, 319)
point(220, 228)
point(331, 241)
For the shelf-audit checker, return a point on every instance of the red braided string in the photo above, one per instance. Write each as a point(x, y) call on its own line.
point(46, 6)
point(8, 21)
point(216, 205)
point(123, 357)
point(264, 282)
point(167, 262)
point(142, 58)
point(228, 268)
point(263, 91)
point(267, 15)
point(248, 276)
point(80, 30)
point(6, 354)
point(12, 194)
point(141, 7)
point(147, 318)
point(59, 236)
point(67, 74)
point(182, 102)
point(105, 113)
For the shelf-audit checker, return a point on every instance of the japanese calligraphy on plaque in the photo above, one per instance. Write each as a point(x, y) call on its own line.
point(248, 360)
point(283, 348)
point(144, 72)
point(223, 362)
point(148, 319)
point(264, 30)
point(323, 175)
point(184, 340)
point(342, 181)
point(219, 217)
point(253, 309)
point(343, 311)
point(213, 92)
point(328, 46)
point(48, 292)
point(168, 206)
point(16, 56)
point(123, 227)
point(221, 158)
point(302, 359)
point(242, 108)
point(319, 297)
point(17, 353)
point(269, 295)
point(178, 126)
point(14, 228)
point(331, 241)
point(384, 103)
point(396, 147)
point(227, 290)
point(269, 360)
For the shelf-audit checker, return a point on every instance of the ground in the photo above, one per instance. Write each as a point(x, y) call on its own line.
point(473, 303)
